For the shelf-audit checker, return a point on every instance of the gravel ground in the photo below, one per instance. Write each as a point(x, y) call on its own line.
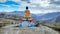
point(24, 30)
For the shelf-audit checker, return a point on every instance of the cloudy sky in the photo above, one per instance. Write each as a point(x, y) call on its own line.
point(35, 6)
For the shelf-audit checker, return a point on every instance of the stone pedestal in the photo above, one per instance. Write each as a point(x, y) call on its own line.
point(26, 23)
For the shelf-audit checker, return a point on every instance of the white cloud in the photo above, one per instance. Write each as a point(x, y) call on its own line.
point(56, 0)
point(16, 0)
point(36, 7)
point(2, 0)
point(43, 3)
point(43, 11)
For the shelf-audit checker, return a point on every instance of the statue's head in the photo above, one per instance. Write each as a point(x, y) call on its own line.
point(26, 7)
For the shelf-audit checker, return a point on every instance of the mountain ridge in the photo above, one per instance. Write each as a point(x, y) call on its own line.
point(47, 16)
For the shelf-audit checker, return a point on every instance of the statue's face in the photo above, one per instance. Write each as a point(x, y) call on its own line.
point(27, 13)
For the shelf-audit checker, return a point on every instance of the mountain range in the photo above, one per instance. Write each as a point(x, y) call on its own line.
point(47, 16)
point(34, 16)
point(51, 17)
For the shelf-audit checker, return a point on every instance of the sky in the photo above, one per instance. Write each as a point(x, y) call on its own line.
point(35, 6)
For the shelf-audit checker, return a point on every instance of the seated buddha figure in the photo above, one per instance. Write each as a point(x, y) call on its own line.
point(27, 13)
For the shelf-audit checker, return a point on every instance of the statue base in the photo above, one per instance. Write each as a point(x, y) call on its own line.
point(26, 23)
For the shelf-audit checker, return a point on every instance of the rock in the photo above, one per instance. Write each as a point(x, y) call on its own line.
point(24, 30)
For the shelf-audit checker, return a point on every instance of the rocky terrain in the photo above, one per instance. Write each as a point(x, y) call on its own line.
point(6, 20)
point(24, 30)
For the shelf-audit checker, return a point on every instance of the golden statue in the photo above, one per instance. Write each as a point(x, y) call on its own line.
point(27, 20)
point(27, 14)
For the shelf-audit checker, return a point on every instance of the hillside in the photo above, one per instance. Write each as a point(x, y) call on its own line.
point(57, 19)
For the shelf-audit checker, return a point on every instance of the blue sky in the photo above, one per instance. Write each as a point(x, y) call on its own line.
point(35, 6)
